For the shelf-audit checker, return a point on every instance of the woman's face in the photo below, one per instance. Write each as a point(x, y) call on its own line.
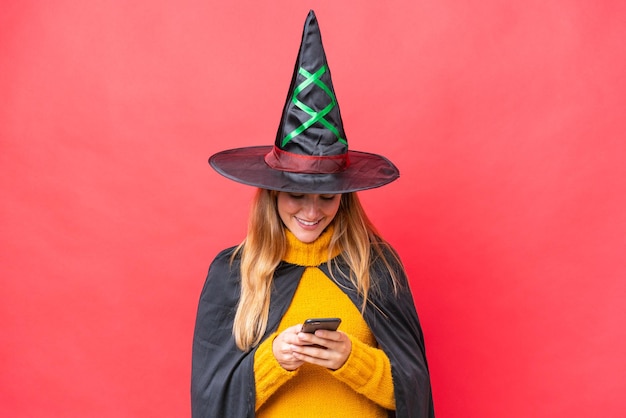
point(307, 215)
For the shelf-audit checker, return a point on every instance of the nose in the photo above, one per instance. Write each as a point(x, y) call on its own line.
point(311, 207)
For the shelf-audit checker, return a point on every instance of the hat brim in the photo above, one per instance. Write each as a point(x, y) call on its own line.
point(247, 166)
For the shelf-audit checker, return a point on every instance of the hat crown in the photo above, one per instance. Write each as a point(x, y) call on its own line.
point(311, 124)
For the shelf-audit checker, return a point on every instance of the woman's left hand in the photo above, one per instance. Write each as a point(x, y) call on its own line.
point(325, 348)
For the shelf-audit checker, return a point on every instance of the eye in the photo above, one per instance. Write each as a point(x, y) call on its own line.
point(328, 196)
point(296, 196)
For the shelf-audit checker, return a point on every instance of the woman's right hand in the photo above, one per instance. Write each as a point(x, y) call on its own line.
point(281, 347)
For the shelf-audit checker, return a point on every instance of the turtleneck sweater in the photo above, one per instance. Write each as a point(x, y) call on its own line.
point(362, 387)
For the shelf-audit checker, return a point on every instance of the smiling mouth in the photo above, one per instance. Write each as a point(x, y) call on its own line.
point(308, 223)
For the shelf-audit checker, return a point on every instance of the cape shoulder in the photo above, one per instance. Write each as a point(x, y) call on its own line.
point(220, 293)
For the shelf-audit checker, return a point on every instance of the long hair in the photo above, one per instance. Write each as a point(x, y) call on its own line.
point(265, 244)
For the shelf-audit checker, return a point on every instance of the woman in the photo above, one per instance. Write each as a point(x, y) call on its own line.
point(310, 251)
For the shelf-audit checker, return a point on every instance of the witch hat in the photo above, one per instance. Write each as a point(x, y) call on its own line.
point(310, 153)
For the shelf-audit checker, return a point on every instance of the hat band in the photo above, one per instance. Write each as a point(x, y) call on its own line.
point(279, 159)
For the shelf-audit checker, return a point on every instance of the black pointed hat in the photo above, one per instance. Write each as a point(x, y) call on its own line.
point(310, 154)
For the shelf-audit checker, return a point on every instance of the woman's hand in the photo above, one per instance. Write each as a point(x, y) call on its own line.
point(325, 348)
point(282, 347)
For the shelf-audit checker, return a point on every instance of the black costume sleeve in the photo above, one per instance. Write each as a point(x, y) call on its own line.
point(220, 371)
point(222, 375)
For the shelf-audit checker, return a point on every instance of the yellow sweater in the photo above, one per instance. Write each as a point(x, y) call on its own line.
point(362, 387)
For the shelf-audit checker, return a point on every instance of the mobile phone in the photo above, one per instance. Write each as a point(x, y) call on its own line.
point(313, 324)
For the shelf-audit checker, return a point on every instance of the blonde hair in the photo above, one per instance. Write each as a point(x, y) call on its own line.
point(265, 245)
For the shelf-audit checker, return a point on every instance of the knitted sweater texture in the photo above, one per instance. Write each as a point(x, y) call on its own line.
point(362, 387)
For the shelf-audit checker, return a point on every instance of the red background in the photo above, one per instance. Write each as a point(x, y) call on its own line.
point(505, 118)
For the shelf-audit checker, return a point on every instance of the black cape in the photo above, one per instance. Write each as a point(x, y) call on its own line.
point(222, 380)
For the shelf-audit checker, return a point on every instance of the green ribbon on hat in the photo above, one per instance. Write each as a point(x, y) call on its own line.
point(315, 116)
